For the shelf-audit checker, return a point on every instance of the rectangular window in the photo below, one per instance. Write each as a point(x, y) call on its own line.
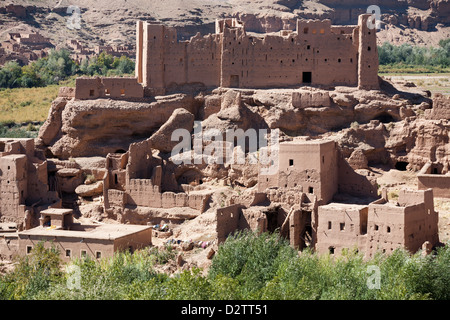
point(329, 225)
point(307, 77)
point(122, 92)
point(342, 226)
point(29, 248)
point(83, 253)
point(91, 93)
point(291, 162)
point(68, 253)
point(311, 190)
point(98, 254)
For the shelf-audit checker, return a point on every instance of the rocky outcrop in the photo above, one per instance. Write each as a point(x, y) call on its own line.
point(162, 139)
point(97, 127)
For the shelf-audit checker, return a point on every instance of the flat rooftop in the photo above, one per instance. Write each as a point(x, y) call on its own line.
point(99, 232)
point(337, 205)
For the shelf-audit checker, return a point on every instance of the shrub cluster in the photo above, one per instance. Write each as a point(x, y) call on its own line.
point(407, 55)
point(247, 266)
point(59, 66)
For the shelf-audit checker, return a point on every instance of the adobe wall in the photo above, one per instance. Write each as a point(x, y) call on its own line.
point(385, 231)
point(341, 226)
point(368, 62)
point(421, 220)
point(13, 187)
point(310, 99)
point(117, 88)
point(316, 53)
point(91, 246)
point(440, 108)
point(353, 183)
point(431, 176)
point(311, 165)
point(134, 241)
point(141, 192)
point(9, 245)
point(439, 183)
point(227, 221)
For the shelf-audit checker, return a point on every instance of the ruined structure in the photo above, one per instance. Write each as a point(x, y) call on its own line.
point(23, 182)
point(304, 197)
point(436, 176)
point(107, 144)
point(82, 240)
point(317, 53)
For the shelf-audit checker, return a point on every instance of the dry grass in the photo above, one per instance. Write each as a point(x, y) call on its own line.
point(26, 104)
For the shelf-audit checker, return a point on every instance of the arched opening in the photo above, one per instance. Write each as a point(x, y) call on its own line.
point(384, 118)
point(401, 165)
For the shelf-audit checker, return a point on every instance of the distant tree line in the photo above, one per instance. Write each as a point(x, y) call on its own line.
point(407, 54)
point(58, 66)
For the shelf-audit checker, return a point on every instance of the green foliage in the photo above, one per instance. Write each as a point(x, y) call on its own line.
point(246, 266)
point(406, 57)
point(33, 274)
point(58, 66)
point(107, 65)
point(15, 131)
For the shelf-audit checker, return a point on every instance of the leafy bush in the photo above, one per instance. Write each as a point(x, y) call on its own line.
point(246, 266)
point(59, 66)
point(406, 56)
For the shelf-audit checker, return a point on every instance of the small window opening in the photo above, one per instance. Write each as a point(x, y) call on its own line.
point(107, 92)
point(29, 248)
point(68, 253)
point(83, 253)
point(122, 92)
point(98, 254)
point(331, 250)
point(91, 93)
point(388, 229)
point(329, 225)
point(342, 226)
point(376, 227)
point(310, 190)
point(291, 162)
point(369, 48)
point(305, 30)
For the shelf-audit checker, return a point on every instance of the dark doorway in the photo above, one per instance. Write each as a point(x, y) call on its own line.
point(307, 232)
point(307, 77)
point(234, 81)
point(385, 118)
point(272, 220)
point(401, 165)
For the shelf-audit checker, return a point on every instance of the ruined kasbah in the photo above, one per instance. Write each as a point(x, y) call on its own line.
point(231, 131)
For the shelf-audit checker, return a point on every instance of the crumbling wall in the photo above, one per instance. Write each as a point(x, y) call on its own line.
point(316, 53)
point(117, 88)
point(227, 221)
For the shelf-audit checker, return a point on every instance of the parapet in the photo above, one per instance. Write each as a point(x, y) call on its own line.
point(114, 87)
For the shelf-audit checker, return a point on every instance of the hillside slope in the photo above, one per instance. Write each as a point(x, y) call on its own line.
point(423, 22)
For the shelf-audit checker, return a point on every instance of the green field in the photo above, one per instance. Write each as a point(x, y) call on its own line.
point(26, 104)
